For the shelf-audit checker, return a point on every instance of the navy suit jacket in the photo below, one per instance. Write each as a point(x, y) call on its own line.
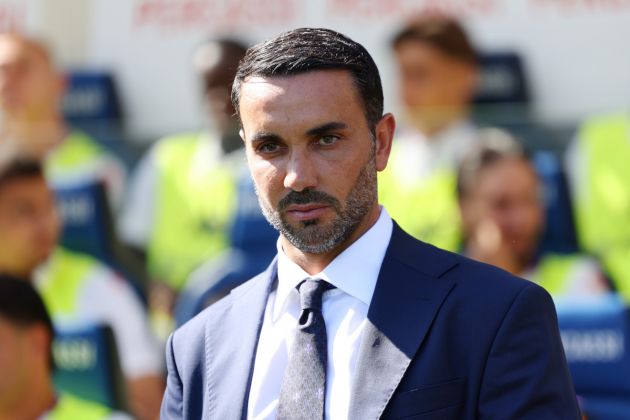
point(446, 338)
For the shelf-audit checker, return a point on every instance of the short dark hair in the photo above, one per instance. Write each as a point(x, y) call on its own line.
point(18, 168)
point(493, 145)
point(218, 66)
point(309, 49)
point(444, 33)
point(22, 306)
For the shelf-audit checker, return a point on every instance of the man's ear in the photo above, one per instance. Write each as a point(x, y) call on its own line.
point(384, 132)
point(241, 133)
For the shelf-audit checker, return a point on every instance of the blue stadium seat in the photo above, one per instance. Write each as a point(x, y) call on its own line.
point(87, 365)
point(252, 249)
point(87, 221)
point(90, 97)
point(91, 103)
point(596, 338)
point(559, 235)
point(88, 228)
point(502, 79)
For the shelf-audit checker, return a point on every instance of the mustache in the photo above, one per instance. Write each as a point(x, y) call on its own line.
point(307, 196)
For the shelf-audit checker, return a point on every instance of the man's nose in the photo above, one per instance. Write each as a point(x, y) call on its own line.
point(300, 172)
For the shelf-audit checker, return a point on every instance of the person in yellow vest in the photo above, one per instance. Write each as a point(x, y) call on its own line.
point(438, 73)
point(76, 288)
point(31, 92)
point(598, 173)
point(182, 196)
point(26, 363)
point(500, 199)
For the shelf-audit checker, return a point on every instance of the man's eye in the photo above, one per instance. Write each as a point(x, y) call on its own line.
point(268, 148)
point(328, 140)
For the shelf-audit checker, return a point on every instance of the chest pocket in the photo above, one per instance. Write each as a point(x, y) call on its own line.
point(443, 400)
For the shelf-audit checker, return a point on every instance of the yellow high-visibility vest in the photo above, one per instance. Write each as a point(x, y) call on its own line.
point(193, 210)
point(69, 407)
point(63, 281)
point(77, 153)
point(602, 205)
point(554, 272)
point(425, 208)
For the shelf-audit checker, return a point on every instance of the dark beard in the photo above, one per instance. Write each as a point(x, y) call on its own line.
point(311, 236)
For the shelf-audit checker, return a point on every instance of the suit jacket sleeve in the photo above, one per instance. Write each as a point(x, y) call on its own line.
point(172, 403)
point(526, 376)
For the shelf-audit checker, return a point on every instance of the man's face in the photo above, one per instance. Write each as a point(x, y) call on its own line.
point(29, 224)
point(14, 363)
point(433, 85)
point(507, 195)
point(29, 86)
point(312, 156)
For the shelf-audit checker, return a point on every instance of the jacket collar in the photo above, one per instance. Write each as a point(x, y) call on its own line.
point(409, 292)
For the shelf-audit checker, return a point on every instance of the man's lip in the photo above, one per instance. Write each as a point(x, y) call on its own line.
point(307, 211)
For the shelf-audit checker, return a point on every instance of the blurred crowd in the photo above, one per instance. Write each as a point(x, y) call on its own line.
point(139, 246)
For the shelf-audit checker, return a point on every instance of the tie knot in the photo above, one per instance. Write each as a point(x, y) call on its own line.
point(311, 291)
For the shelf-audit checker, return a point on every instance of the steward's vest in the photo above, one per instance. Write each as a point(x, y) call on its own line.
point(555, 273)
point(63, 280)
point(617, 265)
point(425, 208)
point(603, 203)
point(69, 407)
point(78, 153)
point(193, 209)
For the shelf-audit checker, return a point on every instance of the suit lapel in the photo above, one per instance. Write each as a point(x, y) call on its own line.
point(408, 295)
point(231, 347)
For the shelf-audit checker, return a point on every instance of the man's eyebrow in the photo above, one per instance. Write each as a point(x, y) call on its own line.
point(261, 136)
point(326, 128)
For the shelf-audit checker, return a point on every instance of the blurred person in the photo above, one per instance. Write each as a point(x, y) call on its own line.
point(182, 196)
point(31, 93)
point(438, 74)
point(26, 362)
point(502, 210)
point(597, 164)
point(75, 287)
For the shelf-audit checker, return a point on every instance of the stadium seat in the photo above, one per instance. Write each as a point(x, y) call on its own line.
point(91, 103)
point(559, 235)
point(502, 79)
point(87, 364)
point(88, 228)
point(596, 337)
point(252, 249)
point(90, 96)
point(87, 220)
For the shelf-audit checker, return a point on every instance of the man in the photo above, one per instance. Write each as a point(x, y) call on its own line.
point(438, 74)
point(75, 287)
point(182, 196)
point(31, 91)
point(501, 204)
point(405, 328)
point(26, 388)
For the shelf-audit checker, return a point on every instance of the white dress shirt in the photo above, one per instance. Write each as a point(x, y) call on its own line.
point(353, 273)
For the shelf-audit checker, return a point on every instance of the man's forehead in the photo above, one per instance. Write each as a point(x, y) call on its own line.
point(21, 48)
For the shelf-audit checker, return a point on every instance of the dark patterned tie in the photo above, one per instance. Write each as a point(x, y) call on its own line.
point(304, 382)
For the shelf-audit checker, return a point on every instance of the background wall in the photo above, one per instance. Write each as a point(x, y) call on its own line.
point(576, 52)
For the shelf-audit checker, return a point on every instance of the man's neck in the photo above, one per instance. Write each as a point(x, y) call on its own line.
point(38, 399)
point(36, 135)
point(316, 263)
point(441, 121)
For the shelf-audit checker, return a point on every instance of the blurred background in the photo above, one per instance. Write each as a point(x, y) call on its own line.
point(514, 124)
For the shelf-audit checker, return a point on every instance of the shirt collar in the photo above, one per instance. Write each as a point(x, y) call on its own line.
point(354, 271)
